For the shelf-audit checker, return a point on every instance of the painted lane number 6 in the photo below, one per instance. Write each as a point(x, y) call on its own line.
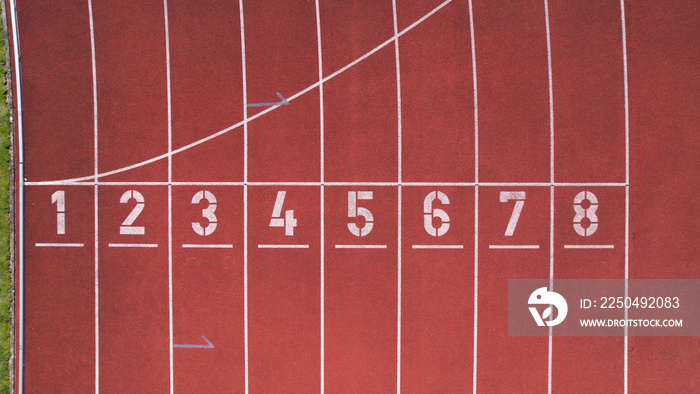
point(429, 213)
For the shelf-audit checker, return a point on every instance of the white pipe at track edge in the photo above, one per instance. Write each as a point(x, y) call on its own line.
point(20, 200)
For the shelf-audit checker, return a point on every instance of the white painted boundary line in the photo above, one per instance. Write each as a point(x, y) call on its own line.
point(589, 246)
point(323, 197)
point(208, 246)
point(476, 196)
point(127, 245)
point(514, 246)
point(20, 170)
point(360, 246)
point(317, 184)
point(58, 245)
point(96, 203)
point(283, 246)
point(399, 172)
point(437, 246)
point(627, 181)
point(551, 188)
point(245, 190)
point(170, 200)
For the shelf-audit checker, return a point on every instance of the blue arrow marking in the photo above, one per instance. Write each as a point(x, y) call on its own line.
point(283, 102)
point(207, 346)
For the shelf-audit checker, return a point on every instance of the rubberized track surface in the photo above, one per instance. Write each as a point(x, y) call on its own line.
point(147, 103)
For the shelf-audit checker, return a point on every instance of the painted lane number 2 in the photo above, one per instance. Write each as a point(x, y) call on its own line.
point(127, 226)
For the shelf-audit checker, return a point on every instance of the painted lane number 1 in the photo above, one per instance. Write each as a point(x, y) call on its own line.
point(59, 198)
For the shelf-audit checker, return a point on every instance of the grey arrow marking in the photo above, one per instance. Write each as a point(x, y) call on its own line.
point(209, 345)
point(283, 102)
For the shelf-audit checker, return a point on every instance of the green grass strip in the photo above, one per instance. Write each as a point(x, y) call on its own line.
point(5, 261)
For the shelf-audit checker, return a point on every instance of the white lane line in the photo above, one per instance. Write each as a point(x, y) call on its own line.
point(127, 245)
point(170, 199)
point(245, 189)
point(322, 208)
point(360, 246)
point(261, 113)
point(589, 246)
point(437, 246)
point(317, 184)
point(58, 245)
point(96, 205)
point(627, 179)
point(514, 246)
point(283, 246)
point(476, 193)
point(208, 246)
point(551, 180)
point(399, 172)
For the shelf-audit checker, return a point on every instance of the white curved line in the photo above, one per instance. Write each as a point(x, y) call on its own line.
point(259, 114)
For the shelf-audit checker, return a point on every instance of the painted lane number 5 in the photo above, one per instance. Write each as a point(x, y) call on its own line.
point(355, 211)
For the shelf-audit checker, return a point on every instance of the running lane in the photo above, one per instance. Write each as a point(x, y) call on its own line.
point(589, 138)
point(514, 146)
point(59, 248)
point(664, 98)
point(207, 96)
point(133, 220)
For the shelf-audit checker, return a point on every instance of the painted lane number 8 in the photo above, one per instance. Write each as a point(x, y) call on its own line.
point(588, 213)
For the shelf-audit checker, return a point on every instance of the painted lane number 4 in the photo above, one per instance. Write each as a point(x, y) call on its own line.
point(288, 222)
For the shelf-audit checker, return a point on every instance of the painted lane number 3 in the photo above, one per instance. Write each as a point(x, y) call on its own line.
point(207, 213)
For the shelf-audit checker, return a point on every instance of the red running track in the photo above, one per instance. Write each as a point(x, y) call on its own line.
point(322, 315)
